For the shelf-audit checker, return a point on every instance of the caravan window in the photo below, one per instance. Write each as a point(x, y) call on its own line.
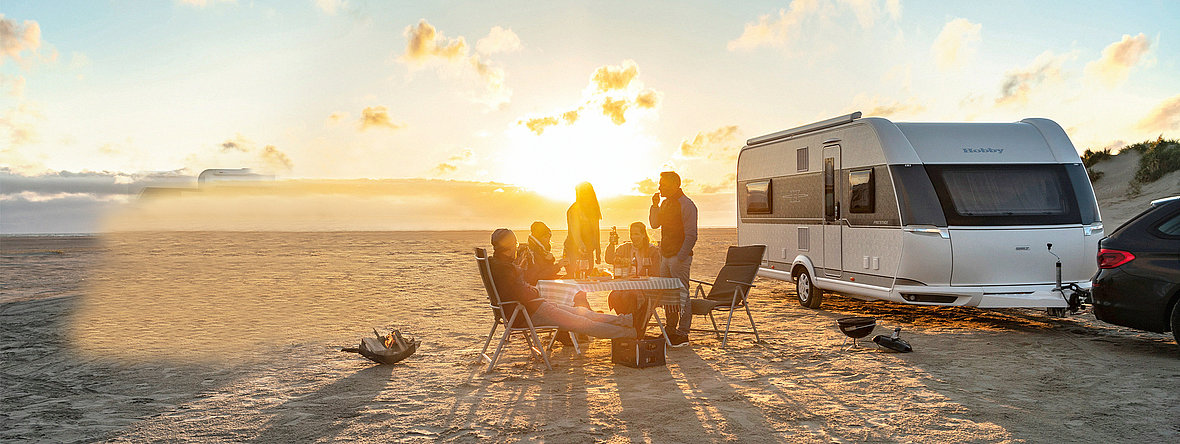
point(801, 159)
point(829, 189)
point(1005, 194)
point(758, 197)
point(862, 191)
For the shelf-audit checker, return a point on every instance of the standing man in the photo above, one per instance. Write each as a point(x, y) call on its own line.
point(677, 218)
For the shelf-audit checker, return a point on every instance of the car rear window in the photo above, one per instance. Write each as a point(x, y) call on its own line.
point(1170, 226)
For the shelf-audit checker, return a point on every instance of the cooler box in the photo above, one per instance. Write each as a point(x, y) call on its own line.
point(638, 353)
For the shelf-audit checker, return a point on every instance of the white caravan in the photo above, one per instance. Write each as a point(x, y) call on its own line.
point(954, 214)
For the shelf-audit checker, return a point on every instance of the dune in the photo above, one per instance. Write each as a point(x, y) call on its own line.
point(1114, 201)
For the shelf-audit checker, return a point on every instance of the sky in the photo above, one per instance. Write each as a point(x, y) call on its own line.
point(101, 98)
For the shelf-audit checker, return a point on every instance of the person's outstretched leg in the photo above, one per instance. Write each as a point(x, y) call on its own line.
point(582, 320)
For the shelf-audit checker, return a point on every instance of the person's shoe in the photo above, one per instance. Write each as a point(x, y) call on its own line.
point(625, 320)
point(678, 340)
point(564, 339)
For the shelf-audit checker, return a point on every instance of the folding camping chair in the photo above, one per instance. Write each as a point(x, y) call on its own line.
point(731, 290)
point(510, 314)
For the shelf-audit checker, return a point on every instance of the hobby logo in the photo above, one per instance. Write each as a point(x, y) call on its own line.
point(983, 150)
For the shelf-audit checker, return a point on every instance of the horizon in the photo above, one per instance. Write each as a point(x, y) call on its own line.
point(98, 100)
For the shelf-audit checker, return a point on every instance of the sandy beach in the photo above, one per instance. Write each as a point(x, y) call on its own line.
point(226, 336)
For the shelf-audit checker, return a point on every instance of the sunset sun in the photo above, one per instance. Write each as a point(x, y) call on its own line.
point(611, 157)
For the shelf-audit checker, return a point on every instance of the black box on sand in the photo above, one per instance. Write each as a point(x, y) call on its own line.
point(638, 353)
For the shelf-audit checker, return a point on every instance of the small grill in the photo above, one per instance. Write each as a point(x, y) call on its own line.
point(856, 327)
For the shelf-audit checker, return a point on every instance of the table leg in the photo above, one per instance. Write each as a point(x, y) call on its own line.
point(651, 310)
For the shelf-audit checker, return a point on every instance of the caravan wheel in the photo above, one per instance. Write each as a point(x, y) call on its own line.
point(809, 295)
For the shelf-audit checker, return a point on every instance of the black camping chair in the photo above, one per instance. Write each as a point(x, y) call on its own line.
point(509, 314)
point(730, 291)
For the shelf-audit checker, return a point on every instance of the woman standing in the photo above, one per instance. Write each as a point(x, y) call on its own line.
point(582, 241)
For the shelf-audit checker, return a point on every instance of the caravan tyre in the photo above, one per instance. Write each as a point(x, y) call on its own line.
point(809, 295)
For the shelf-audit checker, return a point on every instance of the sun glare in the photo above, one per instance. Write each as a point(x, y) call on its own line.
point(611, 157)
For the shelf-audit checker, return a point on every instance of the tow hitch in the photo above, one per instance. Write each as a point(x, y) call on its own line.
point(1077, 297)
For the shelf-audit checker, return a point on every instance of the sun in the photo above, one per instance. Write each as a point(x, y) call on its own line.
point(611, 157)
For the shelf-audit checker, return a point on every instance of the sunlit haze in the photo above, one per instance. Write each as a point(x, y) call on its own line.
point(100, 99)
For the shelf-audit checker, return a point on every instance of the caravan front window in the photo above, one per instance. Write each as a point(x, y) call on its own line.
point(1005, 194)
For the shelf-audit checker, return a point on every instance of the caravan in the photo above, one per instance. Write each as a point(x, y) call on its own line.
point(989, 215)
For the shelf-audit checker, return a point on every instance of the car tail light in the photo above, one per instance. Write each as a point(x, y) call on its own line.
point(1113, 258)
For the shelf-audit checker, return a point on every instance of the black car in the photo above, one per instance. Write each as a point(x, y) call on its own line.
point(1138, 280)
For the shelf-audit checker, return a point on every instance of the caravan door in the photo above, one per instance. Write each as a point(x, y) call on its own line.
point(833, 241)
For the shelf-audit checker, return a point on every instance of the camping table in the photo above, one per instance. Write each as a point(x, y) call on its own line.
point(562, 291)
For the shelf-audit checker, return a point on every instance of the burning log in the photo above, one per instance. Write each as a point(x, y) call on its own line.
point(386, 349)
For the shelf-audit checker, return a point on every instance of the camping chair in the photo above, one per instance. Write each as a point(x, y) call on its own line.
point(730, 291)
point(510, 314)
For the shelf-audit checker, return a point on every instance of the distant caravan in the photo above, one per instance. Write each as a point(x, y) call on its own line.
point(952, 214)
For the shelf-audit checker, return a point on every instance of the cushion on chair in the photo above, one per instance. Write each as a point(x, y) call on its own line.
point(741, 265)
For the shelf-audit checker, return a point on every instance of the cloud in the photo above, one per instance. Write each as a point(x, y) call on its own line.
point(377, 117)
point(499, 40)
point(787, 26)
point(647, 98)
point(647, 186)
point(337, 117)
point(614, 77)
point(727, 185)
point(615, 109)
point(539, 124)
point(331, 6)
point(614, 89)
point(16, 38)
point(775, 31)
point(19, 123)
point(882, 108)
point(956, 44)
point(276, 160)
point(1164, 117)
point(425, 46)
point(238, 143)
point(452, 163)
point(240, 152)
point(704, 143)
point(96, 183)
point(426, 43)
point(1118, 58)
point(1019, 83)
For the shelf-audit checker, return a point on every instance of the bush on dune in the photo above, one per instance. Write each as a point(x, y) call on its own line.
point(1160, 157)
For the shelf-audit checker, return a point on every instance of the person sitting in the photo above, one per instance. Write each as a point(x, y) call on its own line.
point(639, 253)
point(536, 259)
point(511, 286)
point(640, 258)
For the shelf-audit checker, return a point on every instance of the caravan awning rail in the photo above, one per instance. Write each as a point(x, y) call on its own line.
point(835, 121)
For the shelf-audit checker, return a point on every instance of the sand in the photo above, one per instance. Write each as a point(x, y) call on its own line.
point(235, 337)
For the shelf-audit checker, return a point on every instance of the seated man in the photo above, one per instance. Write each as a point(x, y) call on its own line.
point(511, 286)
point(537, 261)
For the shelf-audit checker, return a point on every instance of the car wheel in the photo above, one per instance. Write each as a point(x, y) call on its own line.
point(809, 295)
point(1176, 322)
